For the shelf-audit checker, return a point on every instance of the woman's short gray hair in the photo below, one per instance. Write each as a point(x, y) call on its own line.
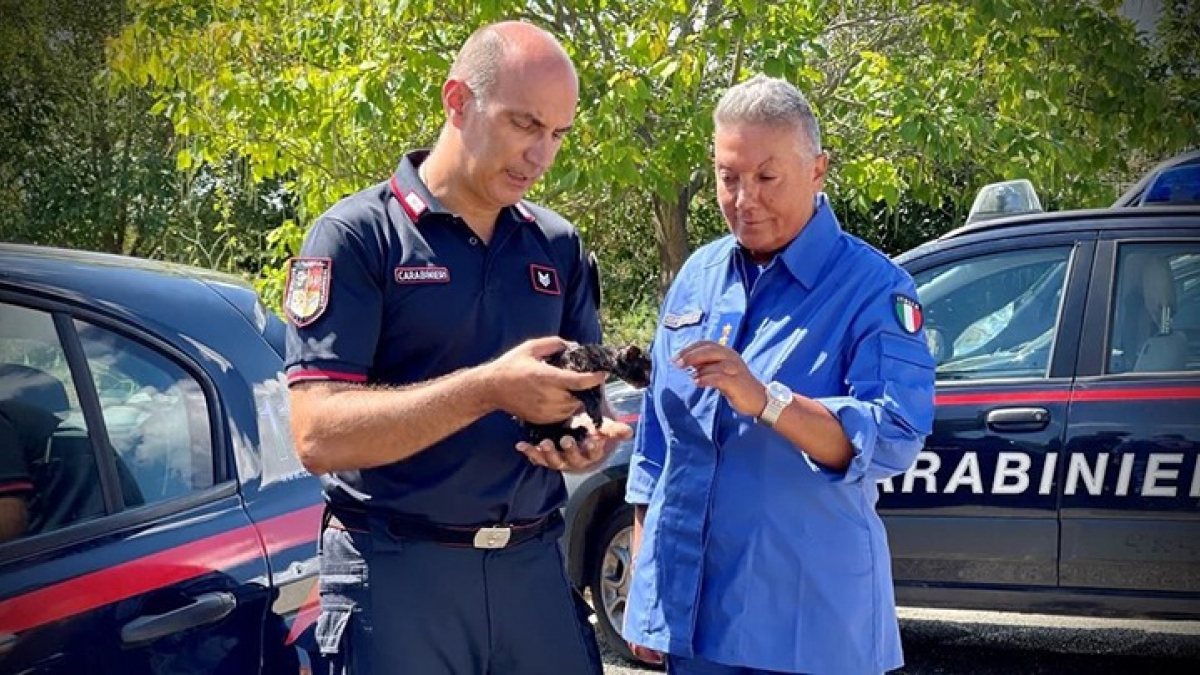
point(769, 101)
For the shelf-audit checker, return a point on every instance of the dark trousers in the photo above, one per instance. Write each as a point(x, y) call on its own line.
point(396, 606)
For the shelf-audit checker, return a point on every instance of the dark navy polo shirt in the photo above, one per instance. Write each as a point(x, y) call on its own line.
point(391, 288)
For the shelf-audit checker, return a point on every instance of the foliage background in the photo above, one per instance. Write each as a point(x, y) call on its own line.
point(213, 132)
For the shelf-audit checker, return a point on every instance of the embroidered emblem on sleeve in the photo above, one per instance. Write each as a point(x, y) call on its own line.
point(544, 279)
point(307, 292)
point(908, 314)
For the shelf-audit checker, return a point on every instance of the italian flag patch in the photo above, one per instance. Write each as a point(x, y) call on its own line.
point(908, 313)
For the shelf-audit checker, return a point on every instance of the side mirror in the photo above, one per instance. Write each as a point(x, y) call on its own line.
point(1008, 198)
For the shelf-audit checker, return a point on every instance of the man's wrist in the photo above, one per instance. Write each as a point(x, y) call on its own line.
point(479, 383)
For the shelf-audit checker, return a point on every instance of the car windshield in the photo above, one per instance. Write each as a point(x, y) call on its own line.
point(625, 400)
point(994, 316)
point(981, 334)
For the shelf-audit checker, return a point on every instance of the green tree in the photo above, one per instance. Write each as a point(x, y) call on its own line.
point(1176, 67)
point(86, 165)
point(67, 153)
point(922, 102)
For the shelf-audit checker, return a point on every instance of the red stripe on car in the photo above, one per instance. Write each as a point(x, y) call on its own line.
point(1066, 395)
point(976, 398)
point(1136, 394)
point(1054, 396)
point(307, 615)
point(171, 566)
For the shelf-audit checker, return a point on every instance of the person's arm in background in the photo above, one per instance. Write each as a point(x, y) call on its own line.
point(14, 517)
point(15, 483)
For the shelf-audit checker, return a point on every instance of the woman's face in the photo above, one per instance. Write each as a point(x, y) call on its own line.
point(767, 183)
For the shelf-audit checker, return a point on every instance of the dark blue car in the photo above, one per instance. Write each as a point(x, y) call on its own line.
point(1174, 181)
point(1063, 471)
point(153, 517)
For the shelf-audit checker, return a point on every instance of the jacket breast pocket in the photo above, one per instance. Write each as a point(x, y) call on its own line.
point(681, 328)
point(682, 337)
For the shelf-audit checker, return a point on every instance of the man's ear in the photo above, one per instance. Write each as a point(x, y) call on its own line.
point(455, 98)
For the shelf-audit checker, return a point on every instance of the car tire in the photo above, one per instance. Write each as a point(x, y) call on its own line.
point(609, 578)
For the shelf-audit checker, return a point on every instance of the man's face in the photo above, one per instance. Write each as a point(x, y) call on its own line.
point(513, 138)
point(767, 182)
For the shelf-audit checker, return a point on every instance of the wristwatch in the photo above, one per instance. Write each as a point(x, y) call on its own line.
point(778, 396)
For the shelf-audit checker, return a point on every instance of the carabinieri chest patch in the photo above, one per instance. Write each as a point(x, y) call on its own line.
point(422, 275)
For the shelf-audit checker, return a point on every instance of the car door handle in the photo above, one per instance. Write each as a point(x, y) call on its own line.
point(203, 610)
point(1018, 419)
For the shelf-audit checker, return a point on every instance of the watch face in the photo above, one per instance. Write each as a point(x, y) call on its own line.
point(779, 391)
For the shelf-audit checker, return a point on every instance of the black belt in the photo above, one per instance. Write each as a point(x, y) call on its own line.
point(467, 536)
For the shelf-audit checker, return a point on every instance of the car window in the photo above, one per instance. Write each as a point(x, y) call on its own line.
point(49, 477)
point(625, 400)
point(156, 416)
point(995, 315)
point(1155, 323)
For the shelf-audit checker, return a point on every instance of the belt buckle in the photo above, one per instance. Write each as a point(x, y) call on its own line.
point(492, 537)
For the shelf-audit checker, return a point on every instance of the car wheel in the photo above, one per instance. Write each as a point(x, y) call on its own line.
point(610, 577)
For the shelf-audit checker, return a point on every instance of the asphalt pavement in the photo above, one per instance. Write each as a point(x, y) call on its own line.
point(949, 642)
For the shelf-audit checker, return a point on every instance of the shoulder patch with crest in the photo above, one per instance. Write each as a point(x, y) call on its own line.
point(908, 313)
point(307, 292)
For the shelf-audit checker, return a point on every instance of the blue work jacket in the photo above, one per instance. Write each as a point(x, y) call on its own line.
point(753, 554)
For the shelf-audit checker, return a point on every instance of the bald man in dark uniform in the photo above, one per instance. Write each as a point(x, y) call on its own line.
point(421, 311)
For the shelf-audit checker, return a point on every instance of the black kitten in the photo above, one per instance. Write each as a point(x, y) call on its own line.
point(628, 363)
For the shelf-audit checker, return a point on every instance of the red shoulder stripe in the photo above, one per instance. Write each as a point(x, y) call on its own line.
point(306, 375)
